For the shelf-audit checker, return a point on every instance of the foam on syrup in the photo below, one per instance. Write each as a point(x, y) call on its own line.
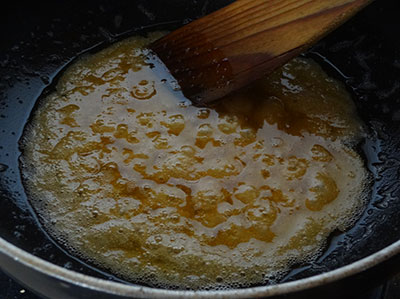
point(128, 174)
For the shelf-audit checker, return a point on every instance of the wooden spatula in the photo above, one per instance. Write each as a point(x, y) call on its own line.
point(241, 42)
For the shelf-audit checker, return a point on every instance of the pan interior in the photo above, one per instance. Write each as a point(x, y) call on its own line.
point(126, 173)
point(369, 70)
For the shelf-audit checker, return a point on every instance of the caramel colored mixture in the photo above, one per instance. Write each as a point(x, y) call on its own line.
point(126, 173)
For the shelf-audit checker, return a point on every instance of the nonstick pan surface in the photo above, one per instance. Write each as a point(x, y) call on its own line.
point(39, 39)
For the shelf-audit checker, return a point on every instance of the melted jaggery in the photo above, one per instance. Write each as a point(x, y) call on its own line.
point(126, 173)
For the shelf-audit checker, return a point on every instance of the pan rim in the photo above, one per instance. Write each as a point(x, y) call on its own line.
point(116, 288)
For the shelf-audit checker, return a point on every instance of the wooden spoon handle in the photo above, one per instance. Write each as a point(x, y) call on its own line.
point(240, 43)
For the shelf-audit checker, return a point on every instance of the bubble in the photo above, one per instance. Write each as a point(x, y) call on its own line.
point(3, 167)
point(203, 113)
point(144, 90)
point(158, 238)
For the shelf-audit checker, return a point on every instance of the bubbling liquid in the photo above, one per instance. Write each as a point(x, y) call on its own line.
point(126, 173)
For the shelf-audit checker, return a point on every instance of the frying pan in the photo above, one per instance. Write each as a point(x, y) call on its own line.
point(40, 38)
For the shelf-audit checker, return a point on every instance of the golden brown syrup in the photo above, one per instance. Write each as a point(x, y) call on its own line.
point(129, 175)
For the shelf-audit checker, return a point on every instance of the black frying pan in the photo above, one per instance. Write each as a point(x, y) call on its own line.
point(39, 38)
